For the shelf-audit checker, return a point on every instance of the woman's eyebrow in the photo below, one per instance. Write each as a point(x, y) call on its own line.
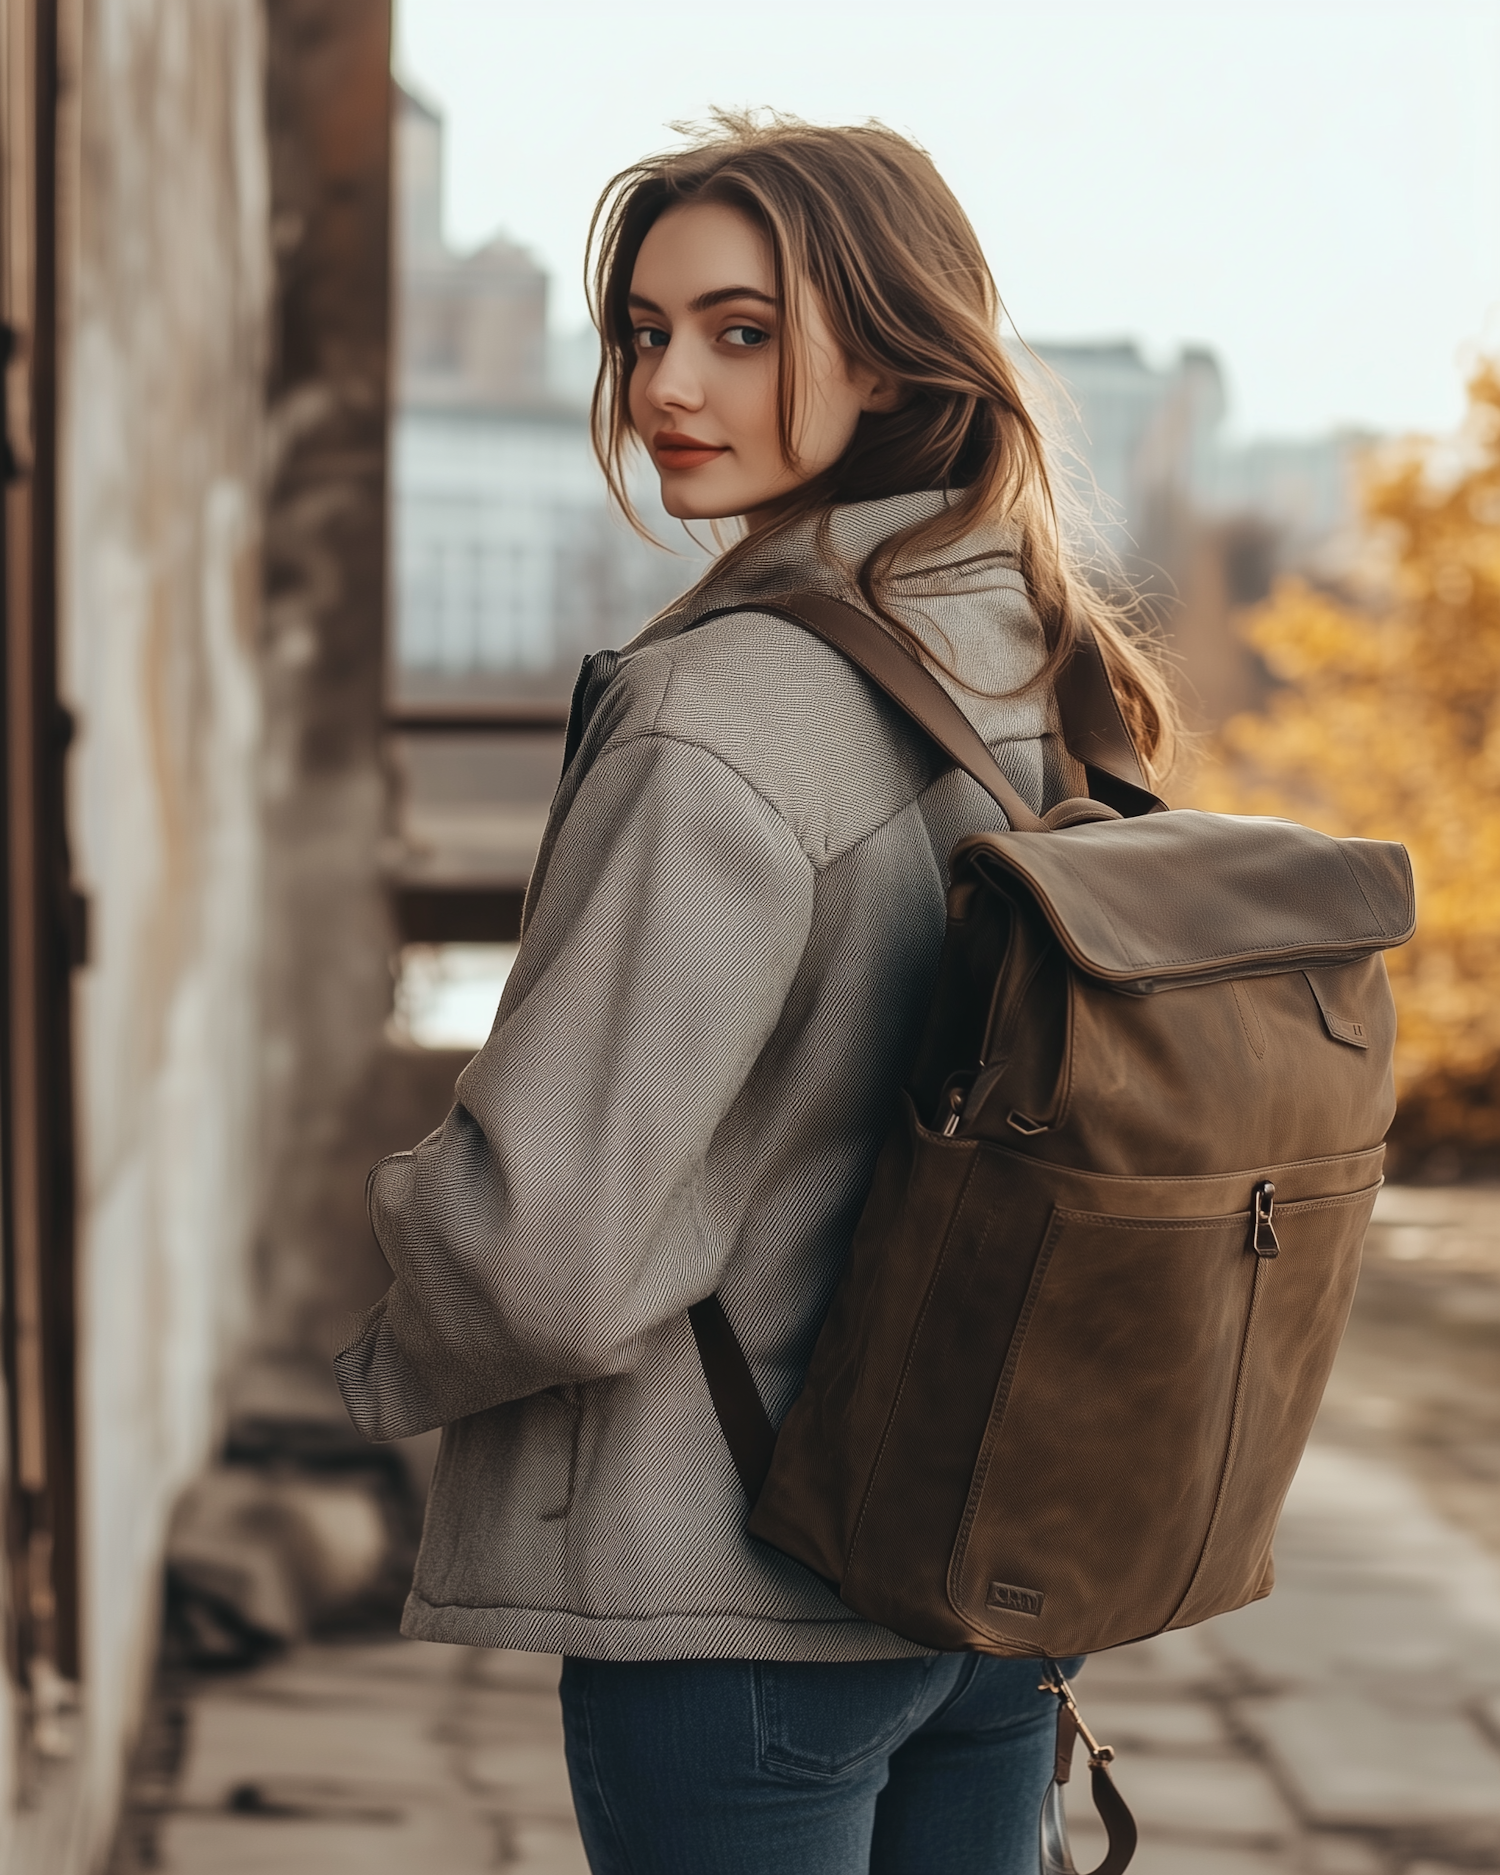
point(705, 300)
point(723, 293)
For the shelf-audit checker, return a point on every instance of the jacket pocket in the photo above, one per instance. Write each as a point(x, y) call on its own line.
point(496, 1532)
point(568, 1402)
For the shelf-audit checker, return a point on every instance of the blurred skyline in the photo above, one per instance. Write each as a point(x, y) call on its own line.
point(1312, 190)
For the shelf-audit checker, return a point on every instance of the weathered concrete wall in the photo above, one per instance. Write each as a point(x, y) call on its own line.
point(164, 357)
point(222, 494)
point(328, 984)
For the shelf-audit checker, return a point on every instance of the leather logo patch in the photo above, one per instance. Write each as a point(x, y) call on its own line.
point(1017, 1601)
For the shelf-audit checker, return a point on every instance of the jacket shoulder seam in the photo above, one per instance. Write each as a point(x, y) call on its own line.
point(715, 755)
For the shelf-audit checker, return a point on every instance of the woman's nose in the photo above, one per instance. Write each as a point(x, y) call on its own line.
point(675, 385)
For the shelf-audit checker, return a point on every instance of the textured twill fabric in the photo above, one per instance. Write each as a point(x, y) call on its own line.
point(729, 945)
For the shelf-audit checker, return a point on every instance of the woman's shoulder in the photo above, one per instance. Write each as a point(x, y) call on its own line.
point(789, 714)
point(740, 669)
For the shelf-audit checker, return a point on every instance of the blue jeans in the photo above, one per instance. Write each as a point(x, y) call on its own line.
point(756, 1767)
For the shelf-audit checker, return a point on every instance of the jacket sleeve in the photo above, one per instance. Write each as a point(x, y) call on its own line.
point(554, 1221)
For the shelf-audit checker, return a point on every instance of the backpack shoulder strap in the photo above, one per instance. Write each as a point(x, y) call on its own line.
point(741, 1412)
point(1092, 725)
point(1094, 729)
point(910, 685)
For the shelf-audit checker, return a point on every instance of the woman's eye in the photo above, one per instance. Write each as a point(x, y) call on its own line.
point(751, 338)
point(650, 338)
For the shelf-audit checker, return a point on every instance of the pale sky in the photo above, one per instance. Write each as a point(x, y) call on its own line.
point(1311, 189)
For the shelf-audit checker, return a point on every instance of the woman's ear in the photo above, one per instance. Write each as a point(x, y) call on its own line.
point(878, 392)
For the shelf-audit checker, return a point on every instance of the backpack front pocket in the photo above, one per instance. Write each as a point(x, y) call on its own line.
point(1156, 1397)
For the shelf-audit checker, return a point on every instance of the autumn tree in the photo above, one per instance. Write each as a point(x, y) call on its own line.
point(1386, 723)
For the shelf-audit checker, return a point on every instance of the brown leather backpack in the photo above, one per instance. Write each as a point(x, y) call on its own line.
point(1093, 1301)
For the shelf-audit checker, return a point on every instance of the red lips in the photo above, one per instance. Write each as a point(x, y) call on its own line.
point(674, 450)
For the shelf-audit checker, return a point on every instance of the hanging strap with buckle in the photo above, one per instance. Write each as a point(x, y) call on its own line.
point(1119, 1824)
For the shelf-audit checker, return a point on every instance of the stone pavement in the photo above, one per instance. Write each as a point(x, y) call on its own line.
point(1349, 1725)
point(373, 1758)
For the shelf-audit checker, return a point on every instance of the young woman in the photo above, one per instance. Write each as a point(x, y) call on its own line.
point(730, 938)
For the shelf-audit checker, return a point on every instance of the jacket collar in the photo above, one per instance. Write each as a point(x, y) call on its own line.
point(794, 560)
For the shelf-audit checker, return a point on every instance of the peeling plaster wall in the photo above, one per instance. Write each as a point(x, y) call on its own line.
point(167, 289)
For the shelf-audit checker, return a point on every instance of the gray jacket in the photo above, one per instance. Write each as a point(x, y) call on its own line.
point(730, 942)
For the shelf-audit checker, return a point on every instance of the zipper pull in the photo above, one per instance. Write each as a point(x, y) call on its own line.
point(1263, 1236)
point(955, 1111)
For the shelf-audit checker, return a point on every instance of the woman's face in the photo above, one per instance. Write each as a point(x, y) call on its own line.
point(703, 390)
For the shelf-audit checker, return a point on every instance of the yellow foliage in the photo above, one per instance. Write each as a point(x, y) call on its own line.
point(1387, 725)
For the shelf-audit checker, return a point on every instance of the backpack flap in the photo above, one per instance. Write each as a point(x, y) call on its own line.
point(1167, 900)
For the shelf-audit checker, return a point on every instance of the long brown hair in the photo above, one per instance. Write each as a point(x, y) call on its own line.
point(861, 217)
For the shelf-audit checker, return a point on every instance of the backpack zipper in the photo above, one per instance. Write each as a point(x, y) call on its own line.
point(1262, 1233)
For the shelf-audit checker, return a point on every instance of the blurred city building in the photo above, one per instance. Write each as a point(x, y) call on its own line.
point(473, 327)
point(1198, 526)
point(510, 564)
